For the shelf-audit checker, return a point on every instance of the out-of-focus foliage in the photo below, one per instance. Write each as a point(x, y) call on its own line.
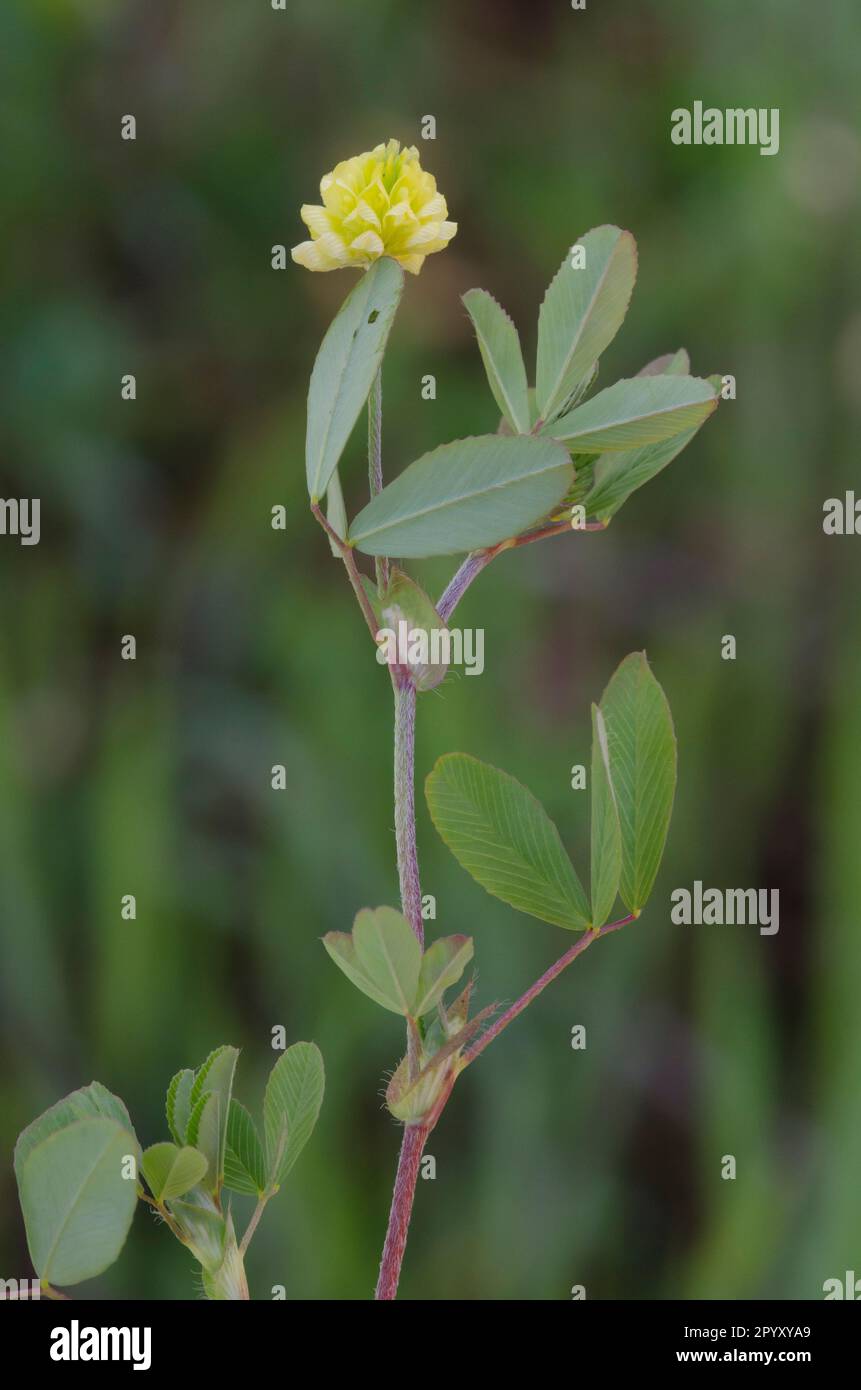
point(555, 1166)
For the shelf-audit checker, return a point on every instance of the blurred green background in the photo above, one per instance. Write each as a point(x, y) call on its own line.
point(554, 1167)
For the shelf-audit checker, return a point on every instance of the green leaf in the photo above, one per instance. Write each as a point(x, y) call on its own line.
point(291, 1104)
point(336, 512)
point(382, 957)
point(77, 1205)
point(348, 361)
point(616, 476)
point(642, 747)
point(634, 412)
point(171, 1171)
point(404, 601)
point(207, 1129)
point(88, 1102)
point(499, 345)
point(501, 834)
point(581, 314)
point(244, 1163)
point(463, 496)
point(671, 364)
point(178, 1104)
point(606, 834)
point(443, 964)
point(204, 1133)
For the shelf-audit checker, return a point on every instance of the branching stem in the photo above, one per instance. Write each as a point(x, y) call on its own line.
point(478, 560)
point(352, 569)
point(415, 1136)
point(534, 990)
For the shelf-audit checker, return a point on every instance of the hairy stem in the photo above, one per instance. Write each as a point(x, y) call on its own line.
point(411, 903)
point(375, 464)
point(472, 566)
point(405, 809)
point(164, 1214)
point(534, 990)
point(415, 1137)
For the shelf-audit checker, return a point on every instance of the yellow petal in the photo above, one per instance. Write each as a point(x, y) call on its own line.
point(411, 263)
point(399, 216)
point(368, 246)
point(362, 214)
point(326, 253)
point(316, 219)
point(308, 255)
point(434, 209)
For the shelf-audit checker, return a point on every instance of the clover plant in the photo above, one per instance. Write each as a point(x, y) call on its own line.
point(567, 455)
point(81, 1170)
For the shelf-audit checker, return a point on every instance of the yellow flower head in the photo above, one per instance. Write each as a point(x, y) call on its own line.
point(381, 203)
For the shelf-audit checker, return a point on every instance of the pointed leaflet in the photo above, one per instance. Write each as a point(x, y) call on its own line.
point(642, 746)
point(348, 361)
point(502, 835)
point(244, 1163)
point(77, 1205)
point(631, 413)
point(171, 1171)
point(178, 1104)
point(499, 345)
point(616, 476)
point(606, 835)
point(443, 964)
point(463, 496)
point(294, 1094)
point(581, 314)
point(204, 1133)
point(671, 364)
point(207, 1129)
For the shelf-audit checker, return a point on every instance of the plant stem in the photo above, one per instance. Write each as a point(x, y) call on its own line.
point(478, 560)
point(411, 902)
point(534, 990)
point(253, 1223)
point(352, 570)
point(415, 1137)
point(472, 566)
point(375, 464)
point(405, 810)
point(164, 1214)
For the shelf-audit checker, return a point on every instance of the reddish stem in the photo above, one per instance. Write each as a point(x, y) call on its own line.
point(478, 560)
point(415, 1137)
point(534, 990)
point(351, 567)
